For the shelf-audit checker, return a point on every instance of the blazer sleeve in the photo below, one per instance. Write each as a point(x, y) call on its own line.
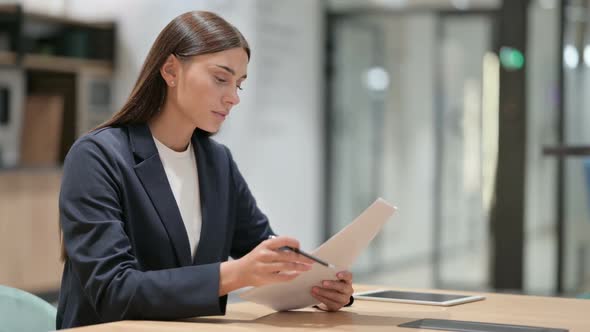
point(102, 258)
point(252, 225)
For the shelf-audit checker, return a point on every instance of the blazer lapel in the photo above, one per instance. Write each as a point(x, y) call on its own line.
point(151, 173)
point(212, 232)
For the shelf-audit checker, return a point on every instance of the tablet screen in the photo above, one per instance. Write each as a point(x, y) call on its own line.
point(430, 297)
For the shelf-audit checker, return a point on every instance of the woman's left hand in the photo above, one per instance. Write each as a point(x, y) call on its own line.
point(334, 294)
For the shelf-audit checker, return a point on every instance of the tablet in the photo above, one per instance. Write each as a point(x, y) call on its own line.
point(417, 297)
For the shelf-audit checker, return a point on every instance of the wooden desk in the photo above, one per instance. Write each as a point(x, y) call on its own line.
point(572, 314)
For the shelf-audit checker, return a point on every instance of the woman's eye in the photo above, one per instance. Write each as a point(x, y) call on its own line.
point(239, 87)
point(220, 80)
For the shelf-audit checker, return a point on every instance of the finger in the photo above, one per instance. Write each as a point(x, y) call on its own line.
point(267, 255)
point(330, 304)
point(333, 295)
point(325, 303)
point(293, 256)
point(290, 256)
point(345, 276)
point(285, 256)
point(283, 276)
point(281, 241)
point(339, 286)
point(286, 266)
point(322, 306)
point(282, 255)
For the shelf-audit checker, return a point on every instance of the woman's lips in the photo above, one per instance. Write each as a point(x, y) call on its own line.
point(220, 115)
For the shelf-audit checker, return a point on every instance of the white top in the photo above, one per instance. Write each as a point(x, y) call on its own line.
point(181, 171)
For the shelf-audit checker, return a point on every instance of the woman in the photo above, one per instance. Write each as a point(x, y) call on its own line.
point(151, 207)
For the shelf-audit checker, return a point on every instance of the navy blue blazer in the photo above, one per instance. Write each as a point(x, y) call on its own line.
point(128, 251)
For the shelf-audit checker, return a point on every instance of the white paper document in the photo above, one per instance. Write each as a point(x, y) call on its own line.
point(341, 250)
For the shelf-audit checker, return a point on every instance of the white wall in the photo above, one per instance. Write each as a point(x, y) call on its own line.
point(275, 133)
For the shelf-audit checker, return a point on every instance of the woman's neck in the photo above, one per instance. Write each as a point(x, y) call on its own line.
point(171, 128)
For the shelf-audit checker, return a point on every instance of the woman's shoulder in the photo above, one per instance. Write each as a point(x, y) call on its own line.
point(107, 135)
point(108, 140)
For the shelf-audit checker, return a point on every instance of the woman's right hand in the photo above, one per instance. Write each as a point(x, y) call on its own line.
point(267, 264)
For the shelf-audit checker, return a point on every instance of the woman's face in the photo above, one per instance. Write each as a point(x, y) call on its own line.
point(208, 85)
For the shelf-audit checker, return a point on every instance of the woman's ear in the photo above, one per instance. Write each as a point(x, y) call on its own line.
point(169, 71)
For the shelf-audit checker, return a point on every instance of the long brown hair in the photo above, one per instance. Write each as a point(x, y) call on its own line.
point(192, 33)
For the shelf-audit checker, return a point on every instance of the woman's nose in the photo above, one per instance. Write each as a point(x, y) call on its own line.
point(232, 98)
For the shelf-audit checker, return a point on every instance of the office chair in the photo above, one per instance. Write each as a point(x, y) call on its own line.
point(23, 311)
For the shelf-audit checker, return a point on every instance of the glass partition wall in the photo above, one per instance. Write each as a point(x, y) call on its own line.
point(413, 118)
point(406, 123)
point(574, 140)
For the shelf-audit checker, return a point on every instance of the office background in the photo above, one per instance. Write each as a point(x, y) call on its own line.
point(470, 116)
